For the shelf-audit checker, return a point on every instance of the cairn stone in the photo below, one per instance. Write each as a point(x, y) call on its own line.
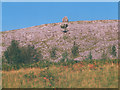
point(65, 19)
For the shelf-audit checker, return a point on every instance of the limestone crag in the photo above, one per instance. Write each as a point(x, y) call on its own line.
point(94, 36)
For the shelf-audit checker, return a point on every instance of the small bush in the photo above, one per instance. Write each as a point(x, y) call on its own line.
point(74, 50)
point(29, 55)
point(13, 53)
point(53, 53)
point(90, 56)
point(64, 27)
point(69, 62)
point(113, 51)
point(104, 56)
point(65, 37)
point(16, 55)
point(5, 67)
point(65, 54)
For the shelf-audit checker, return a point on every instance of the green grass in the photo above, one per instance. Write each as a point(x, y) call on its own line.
point(84, 74)
point(65, 37)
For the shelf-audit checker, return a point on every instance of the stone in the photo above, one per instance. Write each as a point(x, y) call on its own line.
point(65, 19)
point(101, 36)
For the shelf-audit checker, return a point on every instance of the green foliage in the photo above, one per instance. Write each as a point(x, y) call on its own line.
point(30, 76)
point(113, 51)
point(3, 59)
point(109, 49)
point(64, 59)
point(65, 37)
point(64, 27)
point(53, 52)
point(7, 67)
point(19, 55)
point(48, 75)
point(68, 76)
point(44, 63)
point(41, 64)
point(65, 54)
point(74, 50)
point(29, 55)
point(13, 53)
point(104, 56)
point(69, 62)
point(90, 56)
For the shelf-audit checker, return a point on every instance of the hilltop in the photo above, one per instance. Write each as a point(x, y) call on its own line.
point(95, 36)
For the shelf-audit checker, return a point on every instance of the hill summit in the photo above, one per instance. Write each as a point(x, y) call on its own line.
point(96, 36)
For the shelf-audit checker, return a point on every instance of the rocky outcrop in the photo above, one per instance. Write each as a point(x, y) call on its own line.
point(94, 36)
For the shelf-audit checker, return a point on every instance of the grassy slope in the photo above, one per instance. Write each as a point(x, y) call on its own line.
point(80, 75)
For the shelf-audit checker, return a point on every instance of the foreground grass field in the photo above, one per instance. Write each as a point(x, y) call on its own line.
point(98, 74)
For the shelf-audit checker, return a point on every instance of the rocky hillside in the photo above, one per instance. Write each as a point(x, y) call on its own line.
point(94, 36)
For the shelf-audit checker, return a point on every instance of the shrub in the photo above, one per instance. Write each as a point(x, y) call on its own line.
point(104, 56)
point(4, 67)
point(64, 59)
point(3, 59)
point(65, 54)
point(53, 53)
point(113, 50)
point(75, 50)
point(29, 55)
point(19, 55)
point(44, 63)
point(90, 56)
point(65, 37)
point(69, 62)
point(110, 49)
point(13, 53)
point(64, 27)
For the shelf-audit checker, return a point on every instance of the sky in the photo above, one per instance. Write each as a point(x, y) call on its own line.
point(17, 15)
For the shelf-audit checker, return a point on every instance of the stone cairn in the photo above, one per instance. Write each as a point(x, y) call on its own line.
point(64, 25)
point(65, 19)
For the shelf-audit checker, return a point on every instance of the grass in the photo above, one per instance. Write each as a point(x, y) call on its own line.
point(3, 44)
point(112, 39)
point(65, 37)
point(84, 74)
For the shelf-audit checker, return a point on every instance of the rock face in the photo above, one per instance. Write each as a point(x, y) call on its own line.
point(65, 19)
point(95, 36)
